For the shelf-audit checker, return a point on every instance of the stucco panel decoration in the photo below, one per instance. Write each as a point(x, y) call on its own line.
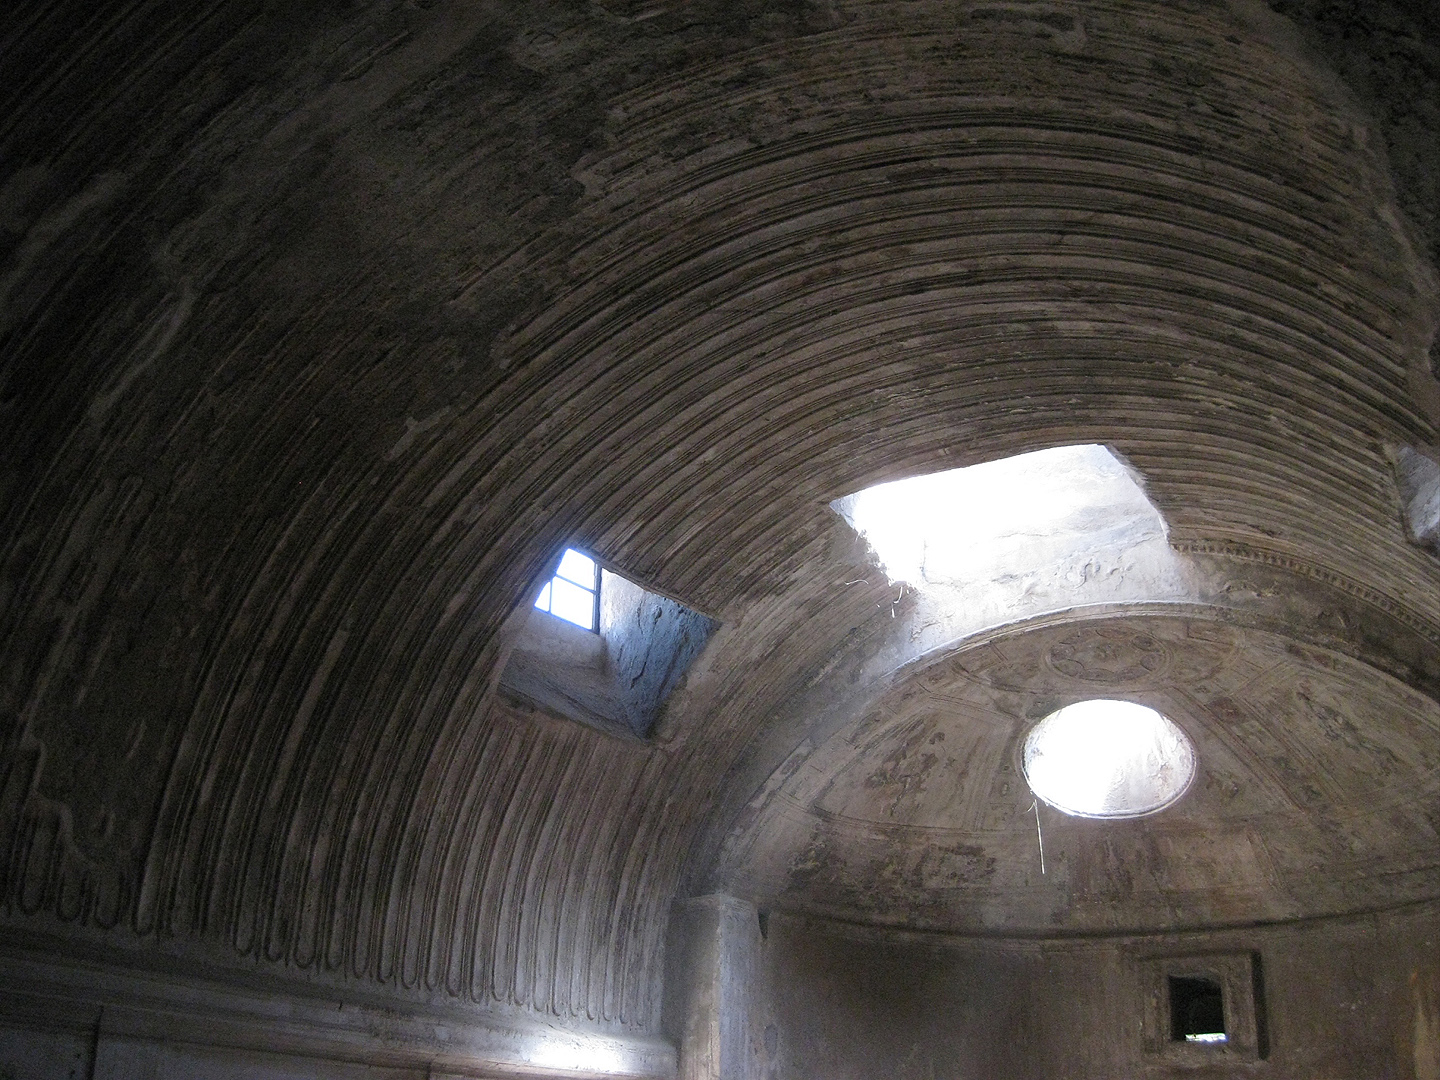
point(1314, 771)
point(1107, 656)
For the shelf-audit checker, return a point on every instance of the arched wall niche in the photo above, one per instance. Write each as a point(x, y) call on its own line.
point(884, 654)
point(892, 807)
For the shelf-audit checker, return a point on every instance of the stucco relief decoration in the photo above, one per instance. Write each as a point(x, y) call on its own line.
point(1109, 656)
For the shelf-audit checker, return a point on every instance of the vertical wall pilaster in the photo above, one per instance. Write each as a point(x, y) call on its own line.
point(711, 973)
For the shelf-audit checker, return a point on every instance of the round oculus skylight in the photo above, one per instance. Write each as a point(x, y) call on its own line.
point(1108, 759)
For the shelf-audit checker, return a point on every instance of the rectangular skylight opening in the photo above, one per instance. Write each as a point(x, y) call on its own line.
point(573, 594)
point(1000, 519)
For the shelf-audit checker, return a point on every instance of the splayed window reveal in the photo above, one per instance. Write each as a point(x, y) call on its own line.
point(1417, 478)
point(1002, 518)
point(617, 675)
point(1108, 759)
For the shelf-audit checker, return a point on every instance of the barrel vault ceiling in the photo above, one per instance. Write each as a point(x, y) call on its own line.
point(326, 326)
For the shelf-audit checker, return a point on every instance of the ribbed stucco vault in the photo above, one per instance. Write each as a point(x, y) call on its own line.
point(325, 329)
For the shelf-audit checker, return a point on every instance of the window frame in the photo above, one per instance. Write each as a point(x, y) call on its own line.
point(1240, 976)
point(547, 591)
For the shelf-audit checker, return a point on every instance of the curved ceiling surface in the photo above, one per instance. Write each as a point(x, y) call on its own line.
point(324, 332)
point(1315, 792)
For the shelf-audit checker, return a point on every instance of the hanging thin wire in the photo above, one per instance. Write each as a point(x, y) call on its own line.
point(1039, 837)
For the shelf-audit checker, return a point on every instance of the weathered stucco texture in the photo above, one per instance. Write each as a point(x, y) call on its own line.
point(1343, 998)
point(326, 327)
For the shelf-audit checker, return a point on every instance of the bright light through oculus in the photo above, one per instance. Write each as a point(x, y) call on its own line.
point(1108, 759)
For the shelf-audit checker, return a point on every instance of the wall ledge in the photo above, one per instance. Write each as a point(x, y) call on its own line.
point(123, 1005)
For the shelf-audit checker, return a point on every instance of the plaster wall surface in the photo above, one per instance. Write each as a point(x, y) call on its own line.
point(323, 328)
point(1341, 998)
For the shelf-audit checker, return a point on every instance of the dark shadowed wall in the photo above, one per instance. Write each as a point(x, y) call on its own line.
point(1341, 998)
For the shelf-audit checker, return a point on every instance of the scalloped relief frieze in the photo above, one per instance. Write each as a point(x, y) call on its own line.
point(1402, 613)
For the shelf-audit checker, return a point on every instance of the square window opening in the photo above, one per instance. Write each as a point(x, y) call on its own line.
point(573, 593)
point(1197, 1010)
point(612, 667)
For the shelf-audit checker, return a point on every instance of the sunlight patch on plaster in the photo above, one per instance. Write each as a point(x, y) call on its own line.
point(581, 1055)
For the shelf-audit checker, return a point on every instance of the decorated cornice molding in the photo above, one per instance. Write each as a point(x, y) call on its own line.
point(1294, 564)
